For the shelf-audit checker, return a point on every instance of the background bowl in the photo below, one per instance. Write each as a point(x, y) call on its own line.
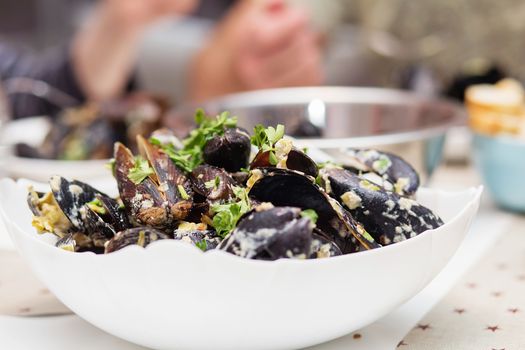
point(33, 131)
point(171, 295)
point(501, 162)
point(332, 118)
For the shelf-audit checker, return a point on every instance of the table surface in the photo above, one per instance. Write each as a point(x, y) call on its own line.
point(63, 332)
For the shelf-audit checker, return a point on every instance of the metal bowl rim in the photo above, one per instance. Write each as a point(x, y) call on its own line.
point(352, 95)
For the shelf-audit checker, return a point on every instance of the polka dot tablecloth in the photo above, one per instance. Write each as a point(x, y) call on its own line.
point(486, 309)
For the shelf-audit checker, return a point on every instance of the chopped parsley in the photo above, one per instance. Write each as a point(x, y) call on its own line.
point(183, 193)
point(140, 171)
point(190, 156)
point(214, 183)
point(382, 164)
point(310, 214)
point(227, 215)
point(97, 206)
point(202, 245)
point(266, 138)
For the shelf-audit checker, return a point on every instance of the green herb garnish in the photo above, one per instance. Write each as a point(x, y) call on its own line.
point(266, 138)
point(190, 156)
point(227, 215)
point(140, 171)
point(96, 206)
point(214, 183)
point(310, 214)
point(183, 193)
point(202, 245)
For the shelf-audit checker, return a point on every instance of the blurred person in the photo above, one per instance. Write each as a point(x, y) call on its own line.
point(259, 44)
point(96, 65)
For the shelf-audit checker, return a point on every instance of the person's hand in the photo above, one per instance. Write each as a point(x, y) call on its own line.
point(103, 53)
point(260, 44)
point(140, 13)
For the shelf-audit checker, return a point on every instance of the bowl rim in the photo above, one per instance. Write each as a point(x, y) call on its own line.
point(343, 94)
point(475, 192)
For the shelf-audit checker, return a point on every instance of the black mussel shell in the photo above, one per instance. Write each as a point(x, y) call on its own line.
point(283, 187)
point(114, 214)
point(388, 217)
point(205, 239)
point(212, 183)
point(141, 236)
point(322, 246)
point(230, 151)
point(71, 196)
point(393, 169)
point(295, 160)
point(67, 243)
point(300, 161)
point(271, 234)
point(240, 177)
point(33, 199)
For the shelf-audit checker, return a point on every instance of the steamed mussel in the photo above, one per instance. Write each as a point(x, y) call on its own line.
point(383, 168)
point(198, 190)
point(389, 217)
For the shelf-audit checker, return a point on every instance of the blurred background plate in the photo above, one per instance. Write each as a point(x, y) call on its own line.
point(32, 131)
point(335, 118)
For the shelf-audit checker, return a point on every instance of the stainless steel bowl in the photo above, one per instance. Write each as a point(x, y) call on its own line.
point(335, 118)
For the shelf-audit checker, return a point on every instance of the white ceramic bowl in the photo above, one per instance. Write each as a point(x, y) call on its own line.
point(171, 295)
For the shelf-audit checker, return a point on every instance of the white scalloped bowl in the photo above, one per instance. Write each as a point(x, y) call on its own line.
point(171, 295)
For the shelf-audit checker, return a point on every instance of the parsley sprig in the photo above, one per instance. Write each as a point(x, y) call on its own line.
point(266, 138)
point(310, 214)
point(227, 215)
point(202, 245)
point(213, 183)
point(140, 171)
point(190, 156)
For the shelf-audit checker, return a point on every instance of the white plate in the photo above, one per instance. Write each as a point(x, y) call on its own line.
point(33, 131)
point(171, 295)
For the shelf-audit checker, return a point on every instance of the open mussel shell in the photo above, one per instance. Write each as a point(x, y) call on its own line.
point(294, 160)
point(144, 203)
point(271, 234)
point(395, 171)
point(212, 183)
point(388, 217)
point(71, 197)
point(141, 236)
point(204, 239)
point(230, 151)
point(283, 187)
point(173, 184)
